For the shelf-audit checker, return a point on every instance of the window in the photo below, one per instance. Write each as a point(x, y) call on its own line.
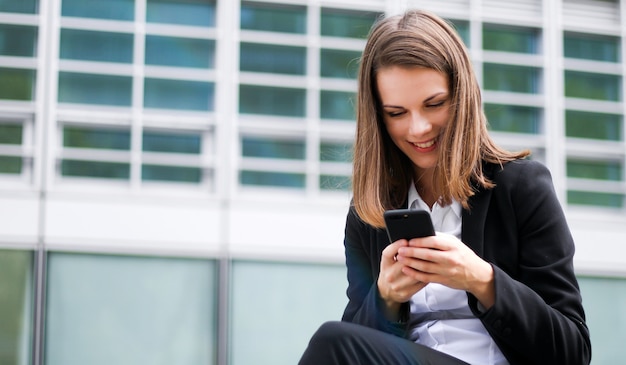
point(510, 39)
point(188, 12)
point(11, 136)
point(339, 63)
point(275, 289)
point(520, 79)
point(94, 89)
point(17, 83)
point(462, 28)
point(256, 57)
point(145, 309)
point(270, 100)
point(592, 125)
point(180, 52)
point(586, 192)
point(273, 148)
point(273, 17)
point(178, 94)
point(110, 9)
point(591, 47)
point(596, 86)
point(338, 105)
point(16, 305)
point(346, 23)
point(513, 118)
point(18, 40)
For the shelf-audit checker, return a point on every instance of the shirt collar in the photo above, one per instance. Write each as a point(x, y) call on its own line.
point(415, 201)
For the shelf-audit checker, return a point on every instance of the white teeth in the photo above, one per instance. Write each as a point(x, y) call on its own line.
point(425, 145)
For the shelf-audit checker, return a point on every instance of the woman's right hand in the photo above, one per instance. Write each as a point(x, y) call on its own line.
point(394, 286)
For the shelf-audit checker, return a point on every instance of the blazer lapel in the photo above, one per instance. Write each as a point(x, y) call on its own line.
point(473, 229)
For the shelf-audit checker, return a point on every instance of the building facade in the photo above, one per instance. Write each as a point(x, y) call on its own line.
point(174, 174)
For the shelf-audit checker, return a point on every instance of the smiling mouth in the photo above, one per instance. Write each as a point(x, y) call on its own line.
point(425, 144)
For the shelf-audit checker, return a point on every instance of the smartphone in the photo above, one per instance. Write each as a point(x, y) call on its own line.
point(408, 223)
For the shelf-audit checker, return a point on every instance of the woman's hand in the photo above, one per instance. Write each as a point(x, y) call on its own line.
point(444, 259)
point(394, 285)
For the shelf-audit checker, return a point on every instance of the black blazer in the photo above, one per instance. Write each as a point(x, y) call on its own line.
point(518, 227)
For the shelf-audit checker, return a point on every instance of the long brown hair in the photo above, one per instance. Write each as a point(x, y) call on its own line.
point(381, 172)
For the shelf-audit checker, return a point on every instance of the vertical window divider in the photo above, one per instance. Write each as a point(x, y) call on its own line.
point(312, 136)
point(622, 44)
point(136, 121)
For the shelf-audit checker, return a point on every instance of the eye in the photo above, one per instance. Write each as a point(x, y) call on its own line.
point(436, 105)
point(394, 113)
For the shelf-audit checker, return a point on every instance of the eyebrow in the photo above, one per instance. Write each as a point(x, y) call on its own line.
point(425, 100)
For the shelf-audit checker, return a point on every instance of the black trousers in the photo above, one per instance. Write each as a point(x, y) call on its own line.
point(344, 343)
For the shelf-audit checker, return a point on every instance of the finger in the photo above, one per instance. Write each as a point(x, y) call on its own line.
point(390, 252)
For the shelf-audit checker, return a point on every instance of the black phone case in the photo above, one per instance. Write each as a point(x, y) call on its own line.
point(407, 223)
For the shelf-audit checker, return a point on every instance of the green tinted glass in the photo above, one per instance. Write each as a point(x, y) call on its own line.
point(346, 23)
point(11, 134)
point(22, 6)
point(174, 142)
point(589, 85)
point(611, 200)
point(273, 17)
point(257, 57)
point(268, 148)
point(98, 169)
point(513, 118)
point(511, 78)
point(79, 137)
point(96, 46)
point(267, 178)
point(18, 40)
point(510, 39)
point(591, 47)
point(16, 304)
point(17, 84)
point(270, 100)
point(171, 173)
point(109, 9)
point(336, 151)
point(180, 52)
point(95, 89)
point(597, 170)
point(186, 12)
point(337, 105)
point(10, 165)
point(462, 28)
point(339, 63)
point(602, 126)
point(178, 94)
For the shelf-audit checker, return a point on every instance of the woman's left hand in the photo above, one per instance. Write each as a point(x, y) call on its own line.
point(444, 259)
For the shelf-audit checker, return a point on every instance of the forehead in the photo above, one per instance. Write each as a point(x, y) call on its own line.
point(401, 83)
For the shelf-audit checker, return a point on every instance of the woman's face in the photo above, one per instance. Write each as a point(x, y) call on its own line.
point(416, 108)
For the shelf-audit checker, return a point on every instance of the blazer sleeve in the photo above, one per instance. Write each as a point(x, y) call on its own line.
point(362, 251)
point(538, 316)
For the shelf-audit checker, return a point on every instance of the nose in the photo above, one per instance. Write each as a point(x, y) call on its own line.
point(419, 124)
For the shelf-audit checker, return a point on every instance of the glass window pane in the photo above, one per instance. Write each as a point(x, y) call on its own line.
point(96, 46)
point(604, 300)
point(123, 310)
point(95, 89)
point(519, 79)
point(267, 178)
point(288, 307)
point(589, 85)
point(273, 17)
point(335, 182)
point(98, 169)
point(597, 170)
point(513, 118)
point(180, 52)
point(18, 40)
point(337, 105)
point(510, 39)
point(22, 6)
point(109, 9)
point(336, 151)
point(17, 83)
point(258, 57)
point(171, 173)
point(16, 303)
point(591, 47)
point(184, 12)
point(592, 198)
point(346, 23)
point(173, 142)
point(11, 134)
point(10, 165)
point(339, 63)
point(270, 100)
point(462, 28)
point(178, 94)
point(594, 125)
point(102, 138)
point(273, 148)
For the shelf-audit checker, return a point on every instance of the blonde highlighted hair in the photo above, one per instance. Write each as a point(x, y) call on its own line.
point(381, 172)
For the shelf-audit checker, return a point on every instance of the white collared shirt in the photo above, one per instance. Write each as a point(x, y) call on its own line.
point(440, 316)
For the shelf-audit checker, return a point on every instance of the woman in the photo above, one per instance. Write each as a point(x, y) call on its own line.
point(496, 285)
